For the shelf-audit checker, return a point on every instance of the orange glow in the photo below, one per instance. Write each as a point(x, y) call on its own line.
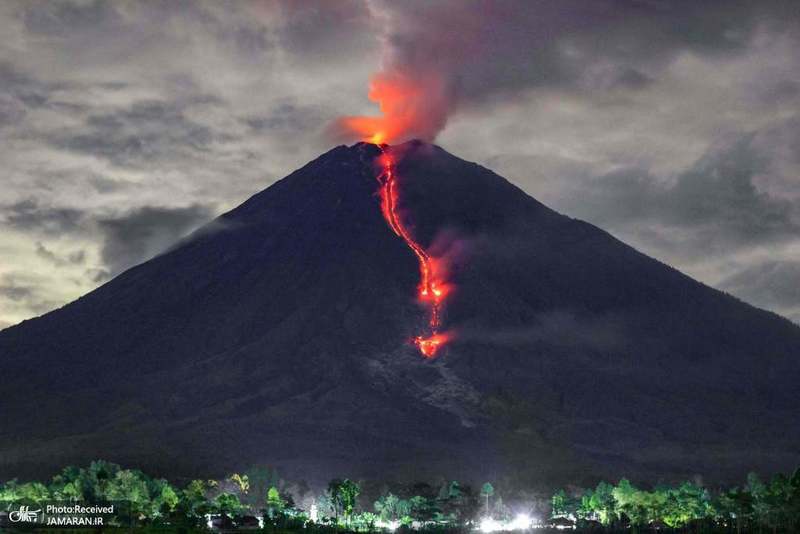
point(432, 288)
point(410, 107)
point(429, 345)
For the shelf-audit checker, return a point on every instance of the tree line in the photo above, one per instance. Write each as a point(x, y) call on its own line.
point(261, 498)
point(755, 506)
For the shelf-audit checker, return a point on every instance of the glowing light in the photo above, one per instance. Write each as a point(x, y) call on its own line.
point(432, 289)
point(489, 524)
point(410, 106)
point(520, 522)
point(429, 345)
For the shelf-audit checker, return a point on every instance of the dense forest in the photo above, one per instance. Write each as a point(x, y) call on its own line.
point(260, 499)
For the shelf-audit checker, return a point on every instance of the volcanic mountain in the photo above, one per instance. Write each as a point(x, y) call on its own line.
point(280, 334)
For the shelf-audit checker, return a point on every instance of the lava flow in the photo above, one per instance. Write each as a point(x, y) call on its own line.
point(432, 290)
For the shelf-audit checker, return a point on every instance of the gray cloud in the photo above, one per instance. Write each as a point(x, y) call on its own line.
point(319, 31)
point(24, 290)
point(103, 185)
point(29, 215)
point(671, 123)
point(716, 203)
point(563, 328)
point(62, 18)
point(771, 284)
point(136, 236)
point(14, 292)
point(508, 48)
point(146, 131)
point(76, 257)
point(287, 118)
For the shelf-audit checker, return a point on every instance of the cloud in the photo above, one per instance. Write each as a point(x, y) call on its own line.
point(104, 185)
point(146, 131)
point(29, 215)
point(770, 284)
point(24, 290)
point(15, 292)
point(562, 328)
point(76, 257)
point(441, 57)
point(138, 235)
point(716, 204)
point(672, 124)
point(62, 18)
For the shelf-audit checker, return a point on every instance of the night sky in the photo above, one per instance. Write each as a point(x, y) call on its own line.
point(673, 125)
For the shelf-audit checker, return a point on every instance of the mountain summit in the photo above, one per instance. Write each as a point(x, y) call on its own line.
point(280, 335)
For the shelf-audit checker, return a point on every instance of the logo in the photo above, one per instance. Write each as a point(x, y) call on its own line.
point(24, 515)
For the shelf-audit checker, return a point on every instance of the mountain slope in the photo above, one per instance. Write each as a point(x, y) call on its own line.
point(279, 334)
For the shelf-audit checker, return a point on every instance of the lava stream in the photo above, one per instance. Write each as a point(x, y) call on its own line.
point(431, 289)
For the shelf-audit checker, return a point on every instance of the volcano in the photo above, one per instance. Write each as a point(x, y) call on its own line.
point(282, 333)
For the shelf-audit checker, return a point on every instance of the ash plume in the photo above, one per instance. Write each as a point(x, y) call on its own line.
point(448, 56)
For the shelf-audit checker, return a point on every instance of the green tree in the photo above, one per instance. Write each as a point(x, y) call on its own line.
point(388, 506)
point(559, 503)
point(127, 486)
point(194, 502)
point(487, 491)
point(228, 504)
point(163, 497)
point(343, 495)
point(736, 505)
point(422, 508)
point(260, 479)
point(630, 501)
point(68, 485)
point(242, 482)
point(33, 491)
point(603, 503)
point(586, 508)
point(688, 502)
point(275, 503)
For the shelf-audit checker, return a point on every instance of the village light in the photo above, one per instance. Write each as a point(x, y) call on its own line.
point(489, 524)
point(520, 522)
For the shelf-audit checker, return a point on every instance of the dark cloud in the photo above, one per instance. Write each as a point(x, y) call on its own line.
point(500, 48)
point(318, 31)
point(18, 93)
point(136, 236)
point(146, 131)
point(14, 292)
point(76, 257)
point(770, 284)
point(563, 328)
point(47, 254)
point(11, 110)
point(716, 202)
point(25, 290)
point(288, 119)
point(104, 185)
point(98, 276)
point(126, 103)
point(64, 17)
point(29, 215)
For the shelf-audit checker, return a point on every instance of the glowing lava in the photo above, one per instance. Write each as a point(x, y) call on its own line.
point(432, 290)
